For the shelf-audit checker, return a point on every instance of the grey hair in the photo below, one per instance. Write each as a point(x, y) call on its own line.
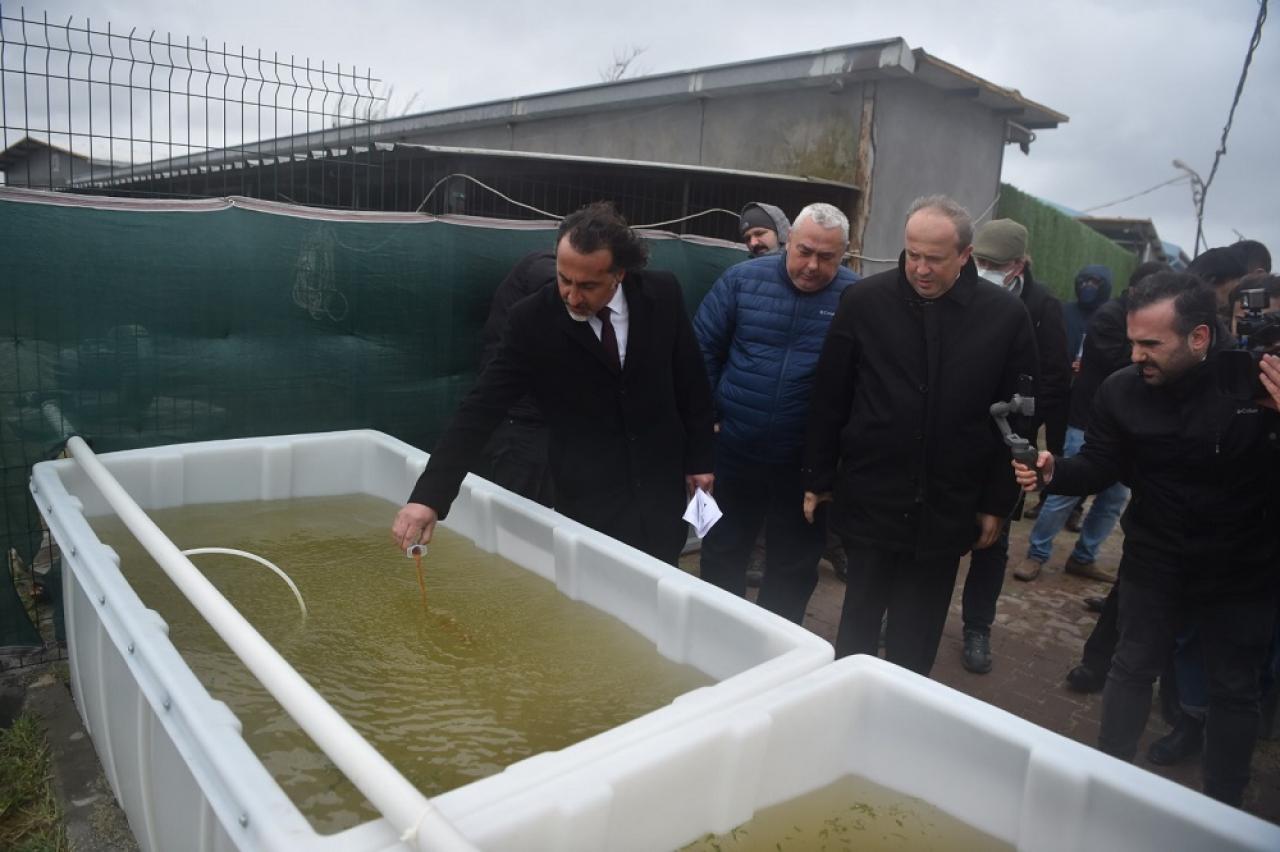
point(952, 210)
point(825, 216)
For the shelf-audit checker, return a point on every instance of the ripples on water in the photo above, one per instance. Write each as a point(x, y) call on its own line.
point(499, 667)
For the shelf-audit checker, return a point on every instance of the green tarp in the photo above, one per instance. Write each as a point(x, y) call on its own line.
point(137, 323)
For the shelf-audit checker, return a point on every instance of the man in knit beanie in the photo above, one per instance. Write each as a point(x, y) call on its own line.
point(764, 228)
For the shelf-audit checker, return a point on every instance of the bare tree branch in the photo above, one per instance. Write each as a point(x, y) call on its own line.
point(623, 64)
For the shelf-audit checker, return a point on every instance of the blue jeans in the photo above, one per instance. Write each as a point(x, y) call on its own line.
point(1098, 523)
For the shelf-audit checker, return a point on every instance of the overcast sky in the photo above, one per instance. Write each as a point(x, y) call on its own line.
point(1143, 82)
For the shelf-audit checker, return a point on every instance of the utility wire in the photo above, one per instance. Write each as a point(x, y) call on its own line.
point(1222, 146)
point(1138, 194)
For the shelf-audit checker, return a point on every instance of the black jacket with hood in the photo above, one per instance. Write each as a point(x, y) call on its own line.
point(1106, 349)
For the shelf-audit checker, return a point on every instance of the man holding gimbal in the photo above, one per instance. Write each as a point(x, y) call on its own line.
point(1202, 536)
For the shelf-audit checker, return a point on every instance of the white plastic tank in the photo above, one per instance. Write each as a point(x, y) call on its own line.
point(174, 756)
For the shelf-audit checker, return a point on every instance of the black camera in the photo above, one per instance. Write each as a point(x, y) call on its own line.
point(1257, 332)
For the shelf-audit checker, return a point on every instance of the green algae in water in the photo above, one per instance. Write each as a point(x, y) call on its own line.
point(499, 667)
point(851, 814)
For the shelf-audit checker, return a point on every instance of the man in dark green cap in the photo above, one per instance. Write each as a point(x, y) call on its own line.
point(1000, 252)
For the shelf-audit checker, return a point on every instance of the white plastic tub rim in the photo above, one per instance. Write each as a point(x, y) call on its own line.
point(174, 756)
point(1006, 777)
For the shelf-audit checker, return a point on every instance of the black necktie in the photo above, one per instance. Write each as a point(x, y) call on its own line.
point(608, 338)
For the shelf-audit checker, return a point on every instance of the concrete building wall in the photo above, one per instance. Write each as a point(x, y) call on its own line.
point(925, 142)
point(663, 134)
point(38, 170)
point(46, 169)
point(928, 143)
point(493, 137)
point(811, 132)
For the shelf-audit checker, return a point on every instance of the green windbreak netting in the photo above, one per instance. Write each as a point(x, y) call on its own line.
point(143, 323)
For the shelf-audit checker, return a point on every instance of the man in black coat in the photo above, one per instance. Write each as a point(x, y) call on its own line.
point(1000, 252)
point(517, 452)
point(1202, 530)
point(901, 431)
point(609, 356)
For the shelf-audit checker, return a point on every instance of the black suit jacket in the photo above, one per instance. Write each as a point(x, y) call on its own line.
point(622, 441)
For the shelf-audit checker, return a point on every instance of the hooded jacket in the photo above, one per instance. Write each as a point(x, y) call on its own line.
point(1078, 313)
point(781, 224)
point(1105, 350)
point(760, 338)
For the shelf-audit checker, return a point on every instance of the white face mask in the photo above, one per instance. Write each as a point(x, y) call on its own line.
point(995, 276)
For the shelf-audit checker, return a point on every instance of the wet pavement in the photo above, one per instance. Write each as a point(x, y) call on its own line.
point(1038, 637)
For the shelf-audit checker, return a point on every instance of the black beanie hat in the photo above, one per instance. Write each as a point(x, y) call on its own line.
point(754, 217)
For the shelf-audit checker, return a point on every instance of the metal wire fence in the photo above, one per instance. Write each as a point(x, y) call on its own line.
point(86, 105)
point(89, 107)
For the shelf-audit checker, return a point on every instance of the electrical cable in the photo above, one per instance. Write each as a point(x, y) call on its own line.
point(1222, 146)
point(1137, 194)
point(506, 198)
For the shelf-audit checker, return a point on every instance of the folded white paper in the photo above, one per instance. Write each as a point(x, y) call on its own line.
point(702, 512)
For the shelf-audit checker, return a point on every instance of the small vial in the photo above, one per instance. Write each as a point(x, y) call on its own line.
point(415, 551)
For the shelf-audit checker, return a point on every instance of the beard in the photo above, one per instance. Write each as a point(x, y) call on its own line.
point(575, 316)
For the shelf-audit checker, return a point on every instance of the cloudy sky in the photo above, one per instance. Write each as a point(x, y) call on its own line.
point(1143, 83)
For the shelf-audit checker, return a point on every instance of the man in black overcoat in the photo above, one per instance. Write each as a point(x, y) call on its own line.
point(900, 431)
point(608, 354)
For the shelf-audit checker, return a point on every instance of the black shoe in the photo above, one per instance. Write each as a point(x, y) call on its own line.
point(1184, 741)
point(1075, 518)
point(1086, 680)
point(977, 652)
point(1095, 604)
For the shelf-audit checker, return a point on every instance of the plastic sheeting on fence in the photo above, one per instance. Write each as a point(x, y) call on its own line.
point(136, 323)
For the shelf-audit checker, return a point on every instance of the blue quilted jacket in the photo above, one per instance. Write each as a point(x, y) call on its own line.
point(760, 339)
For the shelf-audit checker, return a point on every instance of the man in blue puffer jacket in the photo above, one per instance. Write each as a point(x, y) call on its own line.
point(761, 330)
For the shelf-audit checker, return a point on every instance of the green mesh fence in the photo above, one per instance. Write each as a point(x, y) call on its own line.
point(135, 328)
point(1059, 245)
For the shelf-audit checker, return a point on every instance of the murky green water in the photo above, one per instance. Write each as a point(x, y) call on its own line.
point(851, 814)
point(499, 667)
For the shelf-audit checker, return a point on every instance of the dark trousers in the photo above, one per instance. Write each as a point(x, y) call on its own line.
point(752, 495)
point(914, 592)
point(1102, 641)
point(983, 584)
point(1235, 637)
